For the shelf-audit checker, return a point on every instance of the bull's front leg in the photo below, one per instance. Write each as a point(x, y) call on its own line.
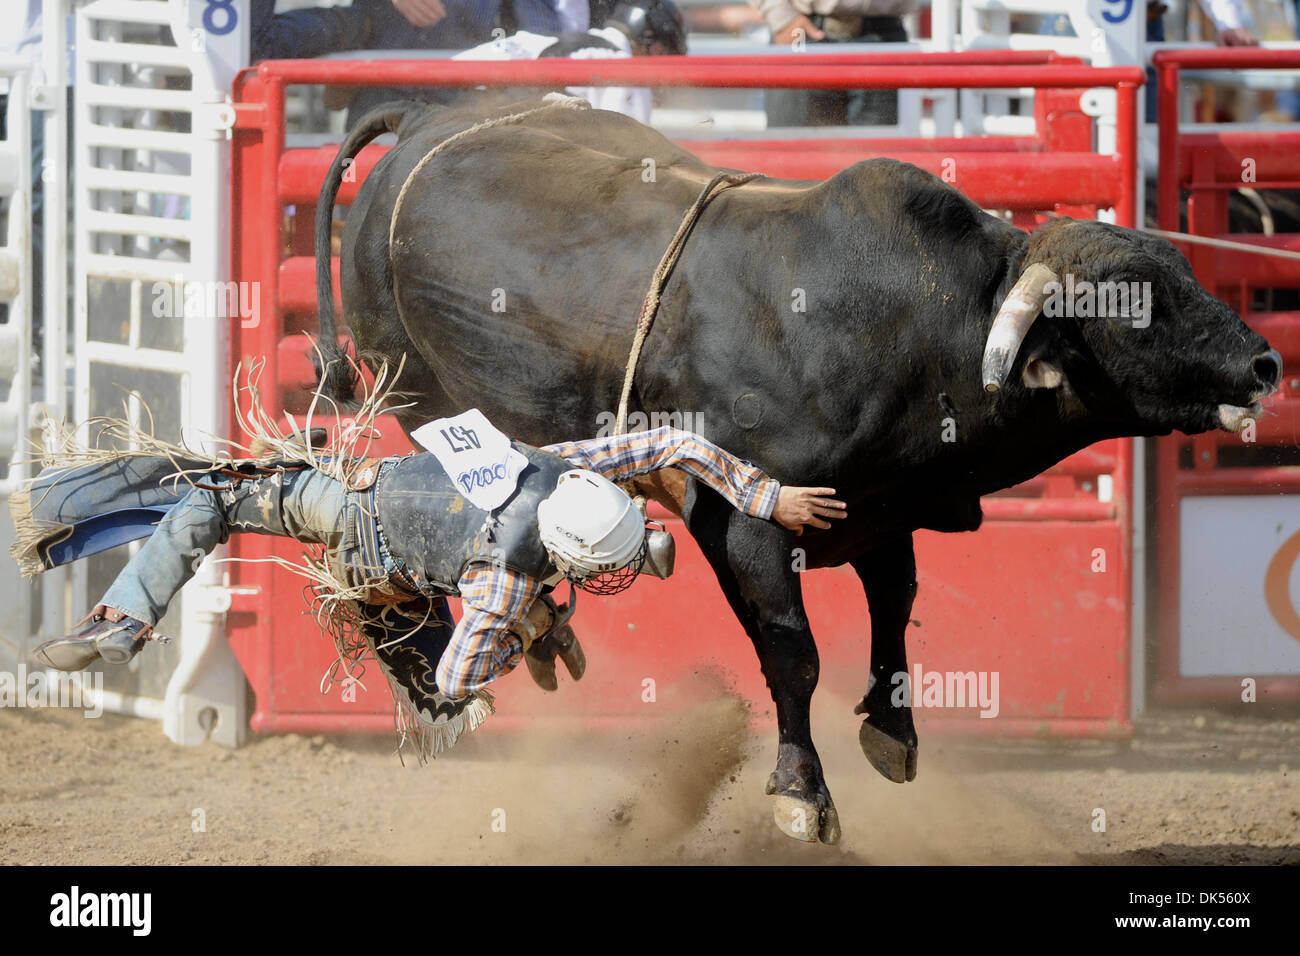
point(753, 563)
point(887, 736)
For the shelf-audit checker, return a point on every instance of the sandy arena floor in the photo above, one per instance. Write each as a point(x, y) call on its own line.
point(1190, 788)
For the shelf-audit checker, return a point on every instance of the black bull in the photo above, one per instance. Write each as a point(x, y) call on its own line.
point(830, 332)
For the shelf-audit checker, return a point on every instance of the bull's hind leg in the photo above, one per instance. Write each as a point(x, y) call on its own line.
point(752, 561)
point(887, 736)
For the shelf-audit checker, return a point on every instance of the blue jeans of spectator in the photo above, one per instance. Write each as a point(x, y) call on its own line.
point(305, 505)
point(303, 34)
point(37, 197)
point(1289, 100)
point(468, 23)
point(1155, 34)
point(841, 107)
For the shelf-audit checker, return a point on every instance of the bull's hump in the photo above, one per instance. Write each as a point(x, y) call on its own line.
point(575, 153)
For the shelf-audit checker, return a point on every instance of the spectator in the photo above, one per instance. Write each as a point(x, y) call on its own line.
point(536, 28)
point(395, 25)
point(834, 21)
point(309, 32)
point(738, 18)
point(26, 43)
point(1225, 14)
point(1229, 23)
point(448, 25)
point(1227, 18)
point(627, 28)
point(1287, 103)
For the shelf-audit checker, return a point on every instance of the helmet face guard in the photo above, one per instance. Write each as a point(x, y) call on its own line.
point(609, 582)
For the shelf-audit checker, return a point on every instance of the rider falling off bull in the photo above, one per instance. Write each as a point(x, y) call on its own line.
point(399, 536)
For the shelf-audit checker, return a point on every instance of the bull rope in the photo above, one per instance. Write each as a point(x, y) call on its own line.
point(650, 307)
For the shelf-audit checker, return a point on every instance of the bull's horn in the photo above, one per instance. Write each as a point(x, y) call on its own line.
point(1019, 309)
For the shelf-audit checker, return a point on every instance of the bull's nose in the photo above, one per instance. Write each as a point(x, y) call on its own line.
point(1268, 369)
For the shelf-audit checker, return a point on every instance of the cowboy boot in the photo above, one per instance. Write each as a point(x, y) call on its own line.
point(110, 636)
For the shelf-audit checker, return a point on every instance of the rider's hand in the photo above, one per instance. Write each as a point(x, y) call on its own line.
point(421, 13)
point(796, 507)
point(786, 35)
point(560, 644)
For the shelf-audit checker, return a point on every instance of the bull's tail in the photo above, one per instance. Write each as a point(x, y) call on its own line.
point(336, 376)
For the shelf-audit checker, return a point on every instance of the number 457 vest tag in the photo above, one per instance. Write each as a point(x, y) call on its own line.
point(476, 456)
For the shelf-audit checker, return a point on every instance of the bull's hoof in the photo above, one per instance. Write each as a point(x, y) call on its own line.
point(804, 820)
point(894, 759)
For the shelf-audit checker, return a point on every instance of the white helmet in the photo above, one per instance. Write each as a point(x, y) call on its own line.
point(591, 528)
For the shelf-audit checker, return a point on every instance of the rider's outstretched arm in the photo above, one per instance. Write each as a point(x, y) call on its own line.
point(620, 457)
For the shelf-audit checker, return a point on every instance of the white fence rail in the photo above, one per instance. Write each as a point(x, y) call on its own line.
point(15, 334)
point(151, 200)
point(16, 274)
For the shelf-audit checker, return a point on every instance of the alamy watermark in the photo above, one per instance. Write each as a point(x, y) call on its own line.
point(1102, 300)
point(208, 299)
point(128, 910)
point(643, 421)
point(923, 689)
point(83, 690)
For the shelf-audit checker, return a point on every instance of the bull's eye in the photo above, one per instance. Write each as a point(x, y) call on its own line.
point(1134, 303)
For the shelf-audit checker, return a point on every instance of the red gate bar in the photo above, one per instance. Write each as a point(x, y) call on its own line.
point(865, 71)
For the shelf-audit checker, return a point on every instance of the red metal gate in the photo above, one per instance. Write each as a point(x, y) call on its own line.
point(1218, 471)
point(1056, 629)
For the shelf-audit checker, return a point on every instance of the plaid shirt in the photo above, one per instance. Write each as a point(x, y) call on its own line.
point(483, 647)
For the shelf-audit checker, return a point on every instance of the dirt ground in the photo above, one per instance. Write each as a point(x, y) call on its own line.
point(1189, 788)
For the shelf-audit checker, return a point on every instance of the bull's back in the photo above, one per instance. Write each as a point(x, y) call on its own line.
point(523, 254)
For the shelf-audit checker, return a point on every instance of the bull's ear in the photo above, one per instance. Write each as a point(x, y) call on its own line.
point(1040, 373)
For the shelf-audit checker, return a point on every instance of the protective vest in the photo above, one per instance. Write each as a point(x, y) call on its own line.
point(434, 531)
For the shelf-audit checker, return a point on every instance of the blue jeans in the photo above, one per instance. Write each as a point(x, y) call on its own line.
point(1155, 34)
point(305, 505)
point(307, 33)
point(468, 23)
point(1289, 100)
point(840, 107)
point(378, 25)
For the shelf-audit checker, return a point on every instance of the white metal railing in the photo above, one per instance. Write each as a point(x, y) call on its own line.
point(16, 276)
point(15, 334)
point(152, 203)
point(749, 118)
